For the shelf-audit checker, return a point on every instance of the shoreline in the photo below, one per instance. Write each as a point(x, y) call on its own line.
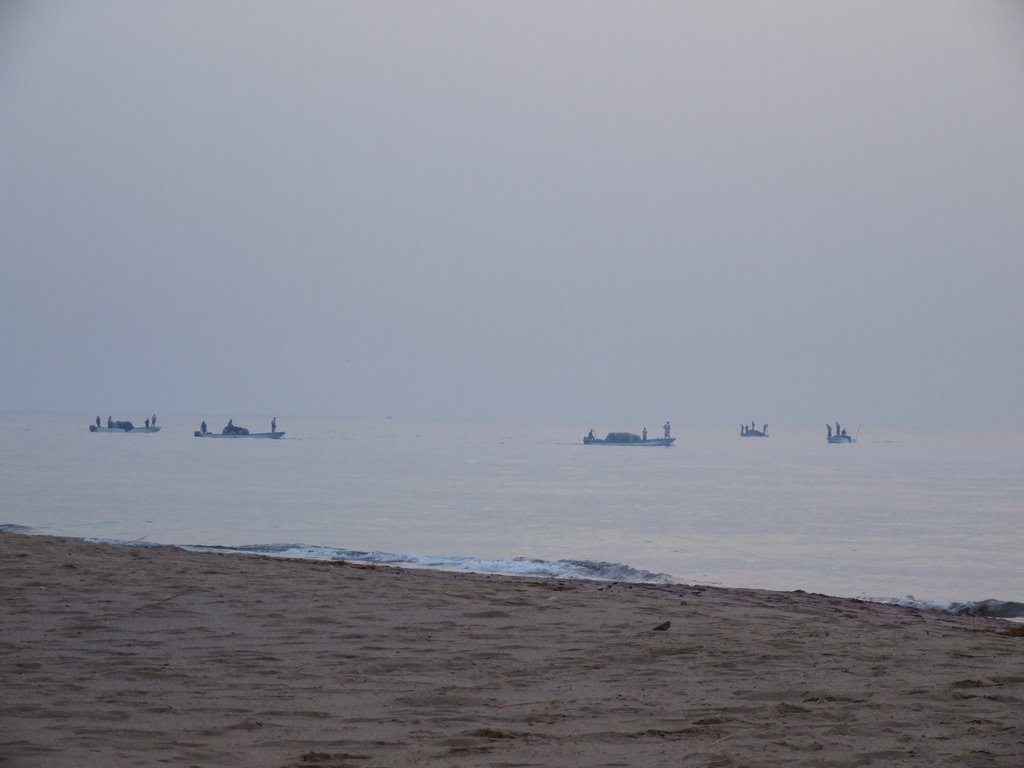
point(566, 570)
point(134, 655)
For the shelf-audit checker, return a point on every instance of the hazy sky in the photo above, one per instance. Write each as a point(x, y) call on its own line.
point(610, 212)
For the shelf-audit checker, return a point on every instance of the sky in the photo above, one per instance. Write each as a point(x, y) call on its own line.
point(606, 212)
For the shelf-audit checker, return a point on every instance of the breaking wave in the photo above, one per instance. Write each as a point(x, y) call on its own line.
point(14, 528)
point(519, 566)
point(994, 609)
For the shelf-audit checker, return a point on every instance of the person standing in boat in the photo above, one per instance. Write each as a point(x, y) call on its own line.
point(668, 429)
point(110, 422)
point(202, 427)
point(97, 422)
point(645, 434)
point(829, 428)
point(273, 424)
point(147, 423)
point(152, 421)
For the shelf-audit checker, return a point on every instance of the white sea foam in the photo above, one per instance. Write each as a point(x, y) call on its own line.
point(1001, 609)
point(520, 566)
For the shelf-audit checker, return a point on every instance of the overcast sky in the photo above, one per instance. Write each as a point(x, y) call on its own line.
point(610, 212)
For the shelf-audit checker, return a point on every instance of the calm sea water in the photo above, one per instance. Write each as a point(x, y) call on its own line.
point(937, 515)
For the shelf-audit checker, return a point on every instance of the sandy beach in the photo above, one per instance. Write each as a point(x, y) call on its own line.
point(128, 656)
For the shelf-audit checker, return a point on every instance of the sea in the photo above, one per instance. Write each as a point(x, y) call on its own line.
point(925, 517)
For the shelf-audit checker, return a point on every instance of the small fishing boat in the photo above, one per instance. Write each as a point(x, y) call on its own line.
point(122, 426)
point(839, 436)
point(750, 431)
point(233, 430)
point(626, 438)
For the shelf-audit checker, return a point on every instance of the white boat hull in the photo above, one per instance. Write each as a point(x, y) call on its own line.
point(648, 442)
point(264, 435)
point(94, 428)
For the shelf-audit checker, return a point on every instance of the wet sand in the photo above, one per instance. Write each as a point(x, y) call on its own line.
point(125, 656)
